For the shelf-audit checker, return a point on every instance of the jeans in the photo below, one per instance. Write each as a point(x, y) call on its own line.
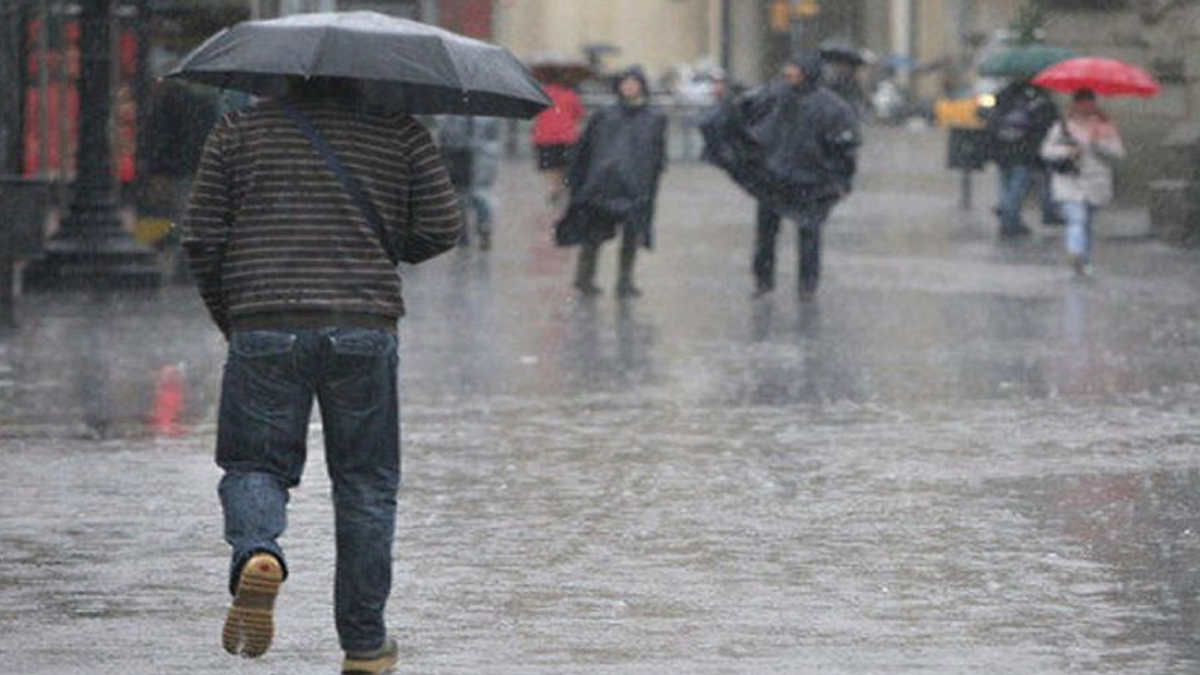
point(1079, 229)
point(1014, 188)
point(271, 378)
point(809, 221)
point(1050, 209)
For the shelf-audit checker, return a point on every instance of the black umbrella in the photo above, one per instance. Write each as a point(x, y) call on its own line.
point(555, 67)
point(844, 52)
point(400, 64)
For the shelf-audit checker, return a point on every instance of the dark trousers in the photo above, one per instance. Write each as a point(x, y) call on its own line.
point(809, 220)
point(589, 254)
point(271, 378)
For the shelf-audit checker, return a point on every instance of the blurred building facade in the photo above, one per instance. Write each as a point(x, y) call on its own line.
point(931, 43)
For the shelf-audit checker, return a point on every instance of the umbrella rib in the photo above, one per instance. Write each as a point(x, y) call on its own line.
point(311, 67)
point(453, 63)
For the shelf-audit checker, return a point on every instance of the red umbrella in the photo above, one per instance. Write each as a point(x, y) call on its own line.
point(1107, 77)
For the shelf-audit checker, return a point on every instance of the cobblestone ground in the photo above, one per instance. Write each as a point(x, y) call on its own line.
point(957, 460)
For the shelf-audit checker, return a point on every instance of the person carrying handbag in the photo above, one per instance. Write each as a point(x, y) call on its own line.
point(1081, 149)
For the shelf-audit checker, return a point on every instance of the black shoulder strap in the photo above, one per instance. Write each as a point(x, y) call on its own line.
point(348, 182)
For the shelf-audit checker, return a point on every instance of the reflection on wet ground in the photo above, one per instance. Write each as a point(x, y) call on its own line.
point(956, 460)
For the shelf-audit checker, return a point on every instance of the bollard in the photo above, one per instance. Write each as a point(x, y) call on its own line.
point(8, 319)
point(23, 203)
point(966, 151)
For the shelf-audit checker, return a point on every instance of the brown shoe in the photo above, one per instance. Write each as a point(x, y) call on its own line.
point(372, 663)
point(250, 624)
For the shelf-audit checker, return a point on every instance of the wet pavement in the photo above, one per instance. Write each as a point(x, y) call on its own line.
point(957, 460)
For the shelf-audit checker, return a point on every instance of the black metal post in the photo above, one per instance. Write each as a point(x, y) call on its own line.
point(966, 190)
point(141, 94)
point(12, 47)
point(727, 36)
point(8, 319)
point(92, 249)
point(12, 44)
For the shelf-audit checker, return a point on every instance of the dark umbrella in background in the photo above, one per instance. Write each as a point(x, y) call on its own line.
point(1023, 61)
point(562, 68)
point(402, 65)
point(839, 51)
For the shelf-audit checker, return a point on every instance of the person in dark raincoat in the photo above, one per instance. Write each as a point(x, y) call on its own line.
point(843, 79)
point(471, 149)
point(614, 183)
point(1016, 127)
point(793, 146)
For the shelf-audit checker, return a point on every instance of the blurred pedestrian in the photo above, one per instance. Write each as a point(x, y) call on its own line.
point(614, 182)
point(808, 138)
point(301, 210)
point(843, 78)
point(1080, 150)
point(471, 148)
point(555, 133)
point(1016, 127)
point(178, 121)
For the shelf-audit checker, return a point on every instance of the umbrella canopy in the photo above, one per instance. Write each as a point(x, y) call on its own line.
point(844, 52)
point(1107, 77)
point(556, 67)
point(1023, 61)
point(401, 64)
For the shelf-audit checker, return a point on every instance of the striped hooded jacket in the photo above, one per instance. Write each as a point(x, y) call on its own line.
point(275, 241)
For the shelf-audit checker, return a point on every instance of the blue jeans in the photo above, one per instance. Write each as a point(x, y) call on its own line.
point(1079, 229)
point(1015, 182)
point(271, 378)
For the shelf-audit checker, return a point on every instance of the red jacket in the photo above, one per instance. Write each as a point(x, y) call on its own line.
point(559, 124)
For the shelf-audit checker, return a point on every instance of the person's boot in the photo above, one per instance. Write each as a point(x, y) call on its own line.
point(628, 257)
point(1080, 266)
point(375, 662)
point(250, 624)
point(588, 289)
point(586, 274)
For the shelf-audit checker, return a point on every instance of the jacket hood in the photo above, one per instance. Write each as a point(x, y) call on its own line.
point(635, 72)
point(811, 63)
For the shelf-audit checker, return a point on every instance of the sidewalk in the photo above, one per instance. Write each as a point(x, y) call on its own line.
point(957, 460)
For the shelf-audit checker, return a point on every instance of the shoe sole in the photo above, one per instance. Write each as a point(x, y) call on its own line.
point(370, 667)
point(250, 624)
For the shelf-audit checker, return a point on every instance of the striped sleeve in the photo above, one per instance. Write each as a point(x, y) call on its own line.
point(433, 215)
point(207, 222)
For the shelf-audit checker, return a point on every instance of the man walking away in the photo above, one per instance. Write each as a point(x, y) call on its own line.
point(614, 182)
point(809, 138)
point(297, 266)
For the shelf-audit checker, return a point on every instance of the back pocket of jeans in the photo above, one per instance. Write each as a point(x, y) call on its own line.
point(263, 343)
point(362, 342)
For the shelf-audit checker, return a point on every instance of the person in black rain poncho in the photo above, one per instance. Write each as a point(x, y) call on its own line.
point(793, 146)
point(614, 183)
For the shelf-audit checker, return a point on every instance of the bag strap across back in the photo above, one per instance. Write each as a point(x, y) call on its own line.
point(351, 185)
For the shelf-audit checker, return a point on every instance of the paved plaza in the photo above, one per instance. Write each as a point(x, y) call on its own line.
point(958, 459)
